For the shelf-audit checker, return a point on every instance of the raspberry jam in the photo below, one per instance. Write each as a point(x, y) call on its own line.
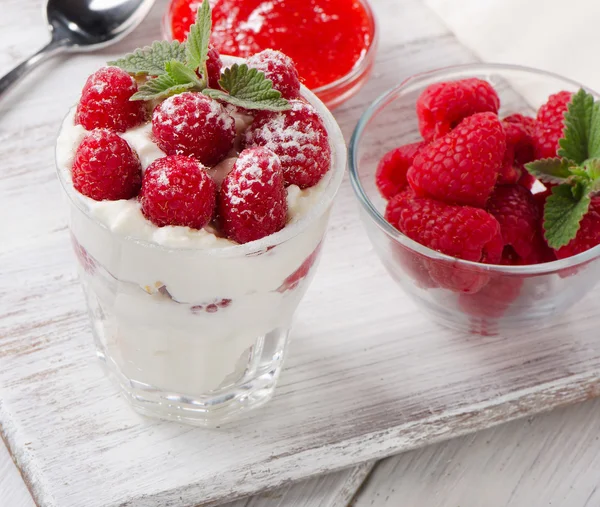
point(325, 38)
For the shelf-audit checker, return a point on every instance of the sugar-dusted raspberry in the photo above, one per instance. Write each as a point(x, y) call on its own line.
point(459, 231)
point(105, 103)
point(520, 147)
point(461, 167)
point(177, 190)
point(588, 235)
point(105, 168)
point(214, 65)
point(517, 213)
point(550, 124)
point(252, 199)
point(195, 125)
point(393, 166)
point(442, 106)
point(298, 137)
point(280, 69)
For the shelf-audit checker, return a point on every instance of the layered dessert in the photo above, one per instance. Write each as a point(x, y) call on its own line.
point(201, 188)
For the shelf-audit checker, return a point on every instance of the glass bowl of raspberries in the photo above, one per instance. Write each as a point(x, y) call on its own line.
point(479, 186)
point(197, 214)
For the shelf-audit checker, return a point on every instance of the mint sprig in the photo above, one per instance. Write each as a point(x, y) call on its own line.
point(151, 60)
point(177, 68)
point(248, 88)
point(576, 171)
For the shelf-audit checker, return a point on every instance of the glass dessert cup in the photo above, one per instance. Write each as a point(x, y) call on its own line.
point(199, 335)
point(462, 295)
point(339, 91)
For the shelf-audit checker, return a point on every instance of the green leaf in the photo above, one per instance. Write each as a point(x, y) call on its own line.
point(151, 60)
point(160, 88)
point(181, 74)
point(248, 88)
point(198, 38)
point(593, 171)
point(563, 213)
point(594, 137)
point(578, 122)
point(550, 170)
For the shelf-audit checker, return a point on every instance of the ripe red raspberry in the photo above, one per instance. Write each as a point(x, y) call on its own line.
point(550, 124)
point(105, 103)
point(214, 65)
point(298, 137)
point(280, 69)
point(461, 167)
point(252, 200)
point(520, 147)
point(292, 281)
point(177, 190)
point(442, 106)
point(588, 235)
point(195, 125)
point(106, 168)
point(464, 232)
point(493, 300)
point(517, 213)
point(393, 166)
point(395, 206)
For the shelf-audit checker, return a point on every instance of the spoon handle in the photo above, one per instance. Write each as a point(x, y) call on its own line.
point(54, 47)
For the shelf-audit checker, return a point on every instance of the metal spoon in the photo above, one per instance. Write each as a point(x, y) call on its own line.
point(82, 25)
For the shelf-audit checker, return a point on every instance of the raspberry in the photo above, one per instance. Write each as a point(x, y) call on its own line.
point(442, 106)
point(292, 281)
point(550, 124)
point(105, 103)
point(520, 147)
point(527, 180)
point(588, 235)
point(106, 168)
point(280, 69)
point(298, 137)
point(461, 167)
point(177, 190)
point(494, 299)
point(391, 171)
point(464, 232)
point(252, 200)
point(395, 205)
point(517, 213)
point(195, 125)
point(214, 65)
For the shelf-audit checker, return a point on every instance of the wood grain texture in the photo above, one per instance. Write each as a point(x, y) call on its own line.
point(13, 491)
point(549, 460)
point(367, 375)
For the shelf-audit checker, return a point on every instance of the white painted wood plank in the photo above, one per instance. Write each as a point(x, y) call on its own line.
point(550, 460)
point(13, 491)
point(367, 376)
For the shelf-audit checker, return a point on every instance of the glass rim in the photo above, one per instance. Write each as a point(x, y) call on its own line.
point(335, 175)
point(395, 234)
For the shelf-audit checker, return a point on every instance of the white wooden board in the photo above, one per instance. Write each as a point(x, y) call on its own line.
point(550, 460)
point(367, 376)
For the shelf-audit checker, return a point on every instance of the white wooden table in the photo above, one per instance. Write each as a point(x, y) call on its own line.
point(525, 463)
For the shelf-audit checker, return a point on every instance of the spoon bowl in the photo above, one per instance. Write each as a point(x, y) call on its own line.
point(82, 25)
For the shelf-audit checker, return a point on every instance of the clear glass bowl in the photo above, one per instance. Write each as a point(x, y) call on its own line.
point(339, 91)
point(459, 294)
point(198, 335)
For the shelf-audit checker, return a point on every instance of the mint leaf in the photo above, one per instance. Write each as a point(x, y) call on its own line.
point(162, 87)
point(248, 88)
point(198, 38)
point(563, 213)
point(594, 137)
point(151, 60)
point(578, 122)
point(181, 74)
point(550, 170)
